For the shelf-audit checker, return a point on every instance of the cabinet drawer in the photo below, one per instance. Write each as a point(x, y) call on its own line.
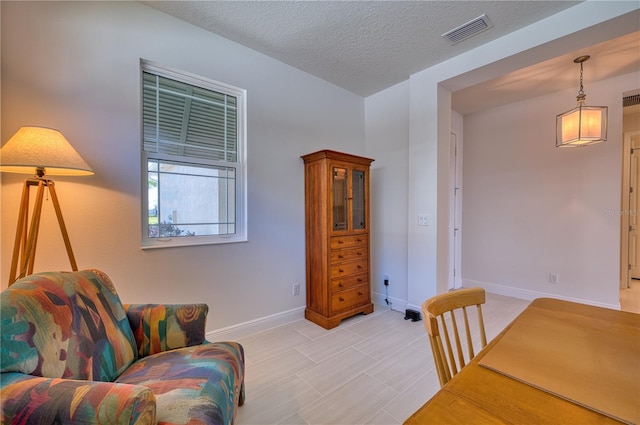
point(338, 285)
point(350, 268)
point(351, 298)
point(338, 255)
point(339, 242)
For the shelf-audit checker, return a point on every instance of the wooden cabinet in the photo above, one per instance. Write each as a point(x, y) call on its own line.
point(337, 237)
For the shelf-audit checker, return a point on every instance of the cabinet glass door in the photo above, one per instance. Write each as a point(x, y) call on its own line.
point(358, 202)
point(339, 199)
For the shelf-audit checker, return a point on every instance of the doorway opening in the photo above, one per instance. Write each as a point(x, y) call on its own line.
point(455, 211)
point(630, 208)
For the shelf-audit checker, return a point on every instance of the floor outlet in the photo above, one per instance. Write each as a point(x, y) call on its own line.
point(296, 289)
point(553, 278)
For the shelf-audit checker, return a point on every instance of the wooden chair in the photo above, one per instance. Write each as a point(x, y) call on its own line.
point(435, 308)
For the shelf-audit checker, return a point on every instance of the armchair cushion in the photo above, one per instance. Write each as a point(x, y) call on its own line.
point(162, 327)
point(35, 400)
point(201, 383)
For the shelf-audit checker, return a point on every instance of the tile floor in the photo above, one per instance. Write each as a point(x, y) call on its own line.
point(373, 369)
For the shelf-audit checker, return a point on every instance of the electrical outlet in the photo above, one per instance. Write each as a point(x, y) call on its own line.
point(296, 289)
point(554, 278)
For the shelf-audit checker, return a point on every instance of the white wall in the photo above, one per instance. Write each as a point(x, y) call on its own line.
point(387, 136)
point(75, 67)
point(531, 209)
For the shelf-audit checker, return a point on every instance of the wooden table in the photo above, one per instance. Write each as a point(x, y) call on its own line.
point(487, 391)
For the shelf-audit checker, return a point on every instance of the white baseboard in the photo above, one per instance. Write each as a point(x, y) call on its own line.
point(526, 294)
point(274, 320)
point(268, 322)
point(396, 303)
point(256, 325)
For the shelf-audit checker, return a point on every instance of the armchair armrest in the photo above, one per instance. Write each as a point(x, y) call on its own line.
point(33, 399)
point(163, 327)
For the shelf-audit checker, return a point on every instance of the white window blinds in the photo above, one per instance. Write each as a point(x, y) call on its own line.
point(182, 120)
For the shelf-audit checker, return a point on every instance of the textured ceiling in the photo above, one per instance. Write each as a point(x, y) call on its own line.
point(362, 46)
point(367, 46)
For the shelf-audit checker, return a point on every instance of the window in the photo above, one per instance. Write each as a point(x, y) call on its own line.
point(194, 162)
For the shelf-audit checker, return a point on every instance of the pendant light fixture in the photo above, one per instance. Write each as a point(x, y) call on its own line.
point(583, 125)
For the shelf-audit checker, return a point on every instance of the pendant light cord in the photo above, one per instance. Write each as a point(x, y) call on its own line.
point(581, 95)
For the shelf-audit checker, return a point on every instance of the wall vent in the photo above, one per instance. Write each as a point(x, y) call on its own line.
point(471, 28)
point(631, 100)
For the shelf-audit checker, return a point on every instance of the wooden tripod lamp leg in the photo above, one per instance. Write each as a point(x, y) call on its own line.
point(32, 241)
point(24, 249)
point(63, 228)
point(21, 233)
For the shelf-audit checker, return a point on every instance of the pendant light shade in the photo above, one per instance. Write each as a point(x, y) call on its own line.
point(583, 125)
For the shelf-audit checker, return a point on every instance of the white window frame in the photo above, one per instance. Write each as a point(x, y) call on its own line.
point(240, 166)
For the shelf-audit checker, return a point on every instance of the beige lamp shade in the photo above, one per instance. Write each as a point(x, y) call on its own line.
point(33, 149)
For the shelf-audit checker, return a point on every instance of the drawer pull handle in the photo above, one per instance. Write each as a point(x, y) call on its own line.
point(341, 299)
point(340, 271)
point(359, 240)
point(340, 242)
point(359, 279)
point(341, 256)
point(360, 293)
point(340, 285)
point(358, 253)
point(359, 266)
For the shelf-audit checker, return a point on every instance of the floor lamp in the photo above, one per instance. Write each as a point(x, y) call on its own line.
point(41, 152)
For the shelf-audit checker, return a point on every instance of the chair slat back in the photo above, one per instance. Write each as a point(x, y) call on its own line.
point(440, 321)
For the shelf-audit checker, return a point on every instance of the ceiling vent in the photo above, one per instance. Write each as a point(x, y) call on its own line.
point(471, 28)
point(631, 100)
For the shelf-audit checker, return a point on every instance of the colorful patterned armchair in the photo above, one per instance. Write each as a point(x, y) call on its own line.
point(72, 353)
